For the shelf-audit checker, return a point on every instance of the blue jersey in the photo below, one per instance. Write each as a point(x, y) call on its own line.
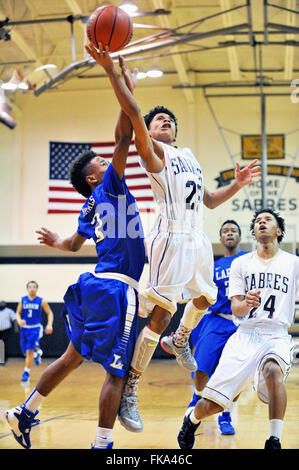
point(32, 310)
point(221, 279)
point(111, 218)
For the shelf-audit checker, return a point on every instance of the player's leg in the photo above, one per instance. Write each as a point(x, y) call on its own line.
point(235, 369)
point(24, 347)
point(29, 358)
point(194, 311)
point(204, 408)
point(147, 341)
point(178, 343)
point(224, 419)
point(30, 338)
point(108, 407)
point(209, 339)
point(277, 402)
point(200, 380)
point(37, 355)
point(21, 418)
point(58, 370)
point(28, 365)
point(274, 364)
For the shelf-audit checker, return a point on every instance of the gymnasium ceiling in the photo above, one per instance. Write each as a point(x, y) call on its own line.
point(193, 42)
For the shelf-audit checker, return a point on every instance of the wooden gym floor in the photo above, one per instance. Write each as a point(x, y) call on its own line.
point(68, 416)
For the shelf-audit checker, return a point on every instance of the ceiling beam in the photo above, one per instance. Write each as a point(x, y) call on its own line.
point(289, 53)
point(231, 51)
point(21, 42)
point(178, 61)
point(77, 11)
point(30, 5)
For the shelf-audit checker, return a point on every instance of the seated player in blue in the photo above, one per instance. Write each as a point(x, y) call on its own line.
point(216, 326)
point(29, 319)
point(101, 308)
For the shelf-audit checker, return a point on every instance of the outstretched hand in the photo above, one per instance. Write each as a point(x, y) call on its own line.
point(130, 78)
point(101, 56)
point(47, 237)
point(248, 174)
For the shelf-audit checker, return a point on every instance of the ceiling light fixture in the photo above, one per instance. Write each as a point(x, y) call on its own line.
point(154, 73)
point(141, 75)
point(9, 86)
point(13, 83)
point(23, 86)
point(129, 7)
point(45, 67)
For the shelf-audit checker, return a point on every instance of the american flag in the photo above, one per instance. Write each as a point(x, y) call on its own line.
point(63, 198)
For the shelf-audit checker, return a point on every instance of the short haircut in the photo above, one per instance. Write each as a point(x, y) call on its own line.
point(279, 220)
point(230, 221)
point(2, 305)
point(157, 110)
point(32, 282)
point(78, 171)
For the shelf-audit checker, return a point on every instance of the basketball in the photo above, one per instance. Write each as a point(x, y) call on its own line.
point(111, 26)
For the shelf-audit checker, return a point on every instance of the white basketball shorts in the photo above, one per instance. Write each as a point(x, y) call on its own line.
point(181, 268)
point(242, 362)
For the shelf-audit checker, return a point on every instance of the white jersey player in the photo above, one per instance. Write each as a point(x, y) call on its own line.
point(262, 288)
point(275, 280)
point(180, 256)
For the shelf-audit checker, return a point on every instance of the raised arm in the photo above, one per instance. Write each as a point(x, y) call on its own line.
point(123, 132)
point(143, 142)
point(243, 177)
point(73, 243)
point(124, 125)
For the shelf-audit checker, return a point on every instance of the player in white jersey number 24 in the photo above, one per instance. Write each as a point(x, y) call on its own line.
point(262, 289)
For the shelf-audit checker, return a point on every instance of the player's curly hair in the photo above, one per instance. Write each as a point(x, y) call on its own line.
point(159, 109)
point(78, 171)
point(230, 221)
point(279, 220)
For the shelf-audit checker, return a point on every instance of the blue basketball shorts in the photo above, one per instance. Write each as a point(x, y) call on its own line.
point(101, 321)
point(209, 339)
point(29, 338)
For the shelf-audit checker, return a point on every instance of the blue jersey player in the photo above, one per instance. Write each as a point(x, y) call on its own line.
point(29, 319)
point(101, 308)
point(216, 326)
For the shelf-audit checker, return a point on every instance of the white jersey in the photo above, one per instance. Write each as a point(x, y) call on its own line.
point(277, 278)
point(178, 189)
point(180, 255)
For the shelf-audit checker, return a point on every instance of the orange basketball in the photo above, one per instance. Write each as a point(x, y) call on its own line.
point(111, 26)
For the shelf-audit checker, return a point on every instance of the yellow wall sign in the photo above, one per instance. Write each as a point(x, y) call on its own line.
point(252, 146)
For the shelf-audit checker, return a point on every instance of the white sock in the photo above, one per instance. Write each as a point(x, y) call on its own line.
point(103, 437)
point(275, 428)
point(26, 369)
point(34, 401)
point(193, 418)
point(230, 407)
